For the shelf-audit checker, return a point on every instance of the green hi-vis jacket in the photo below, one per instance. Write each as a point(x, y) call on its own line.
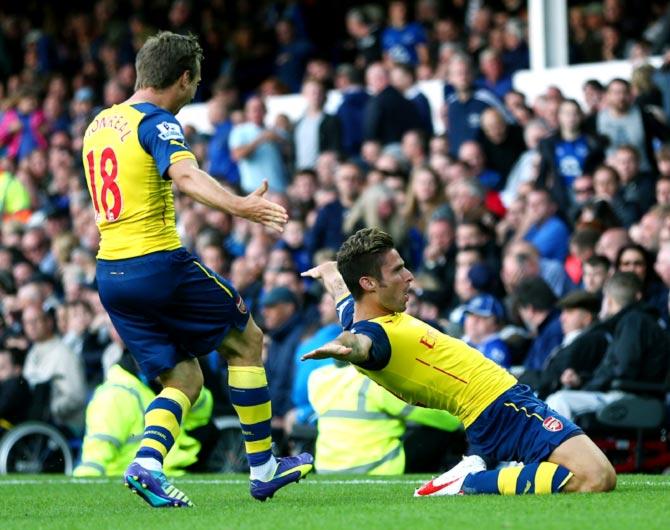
point(360, 423)
point(115, 423)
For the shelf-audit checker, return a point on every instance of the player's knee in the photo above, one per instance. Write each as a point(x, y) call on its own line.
point(253, 347)
point(601, 479)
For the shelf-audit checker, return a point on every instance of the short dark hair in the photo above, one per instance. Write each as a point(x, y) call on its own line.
point(598, 261)
point(624, 287)
point(586, 237)
point(165, 57)
point(362, 254)
point(618, 80)
point(536, 293)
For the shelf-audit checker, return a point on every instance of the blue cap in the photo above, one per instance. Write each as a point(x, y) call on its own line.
point(84, 94)
point(485, 305)
point(279, 295)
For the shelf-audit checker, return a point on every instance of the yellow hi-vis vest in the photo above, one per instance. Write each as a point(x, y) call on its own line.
point(360, 423)
point(115, 423)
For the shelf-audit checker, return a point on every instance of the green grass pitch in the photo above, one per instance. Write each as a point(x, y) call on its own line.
point(324, 502)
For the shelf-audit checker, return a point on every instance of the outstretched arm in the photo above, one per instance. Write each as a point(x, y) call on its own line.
point(330, 277)
point(197, 184)
point(347, 347)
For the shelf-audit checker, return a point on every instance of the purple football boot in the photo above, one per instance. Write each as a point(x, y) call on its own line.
point(154, 488)
point(290, 469)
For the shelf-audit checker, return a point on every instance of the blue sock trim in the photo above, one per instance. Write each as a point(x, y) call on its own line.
point(481, 482)
point(249, 397)
point(256, 431)
point(258, 459)
point(559, 476)
point(149, 452)
point(527, 475)
point(166, 404)
point(160, 434)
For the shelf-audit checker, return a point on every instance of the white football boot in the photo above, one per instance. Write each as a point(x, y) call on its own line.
point(451, 482)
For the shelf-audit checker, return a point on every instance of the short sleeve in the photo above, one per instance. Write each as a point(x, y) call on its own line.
point(380, 352)
point(345, 312)
point(236, 138)
point(161, 136)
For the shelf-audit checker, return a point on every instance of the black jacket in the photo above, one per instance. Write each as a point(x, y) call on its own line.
point(583, 355)
point(388, 116)
point(639, 351)
point(15, 399)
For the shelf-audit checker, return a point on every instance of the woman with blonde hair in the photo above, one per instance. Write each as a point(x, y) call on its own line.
point(376, 207)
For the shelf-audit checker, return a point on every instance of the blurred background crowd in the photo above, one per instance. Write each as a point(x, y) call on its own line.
point(511, 221)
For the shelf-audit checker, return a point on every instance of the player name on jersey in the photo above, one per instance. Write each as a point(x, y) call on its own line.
point(117, 122)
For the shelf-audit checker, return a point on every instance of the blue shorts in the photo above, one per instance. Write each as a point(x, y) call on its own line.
point(517, 426)
point(167, 307)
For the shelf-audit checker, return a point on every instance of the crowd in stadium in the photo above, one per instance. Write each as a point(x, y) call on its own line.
point(511, 221)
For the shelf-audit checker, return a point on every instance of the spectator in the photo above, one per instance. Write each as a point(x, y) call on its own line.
point(568, 154)
point(22, 128)
point(367, 37)
point(472, 154)
point(352, 109)
point(503, 143)
point(257, 150)
point(537, 307)
point(610, 243)
point(596, 271)
point(526, 168)
point(388, 114)
point(493, 76)
point(316, 131)
point(483, 319)
point(637, 189)
point(283, 325)
point(543, 227)
point(221, 164)
point(594, 93)
point(402, 41)
point(50, 361)
point(466, 104)
point(403, 79)
point(634, 258)
point(292, 55)
point(607, 187)
point(663, 191)
point(638, 351)
point(15, 396)
point(624, 123)
point(439, 253)
point(327, 230)
point(582, 348)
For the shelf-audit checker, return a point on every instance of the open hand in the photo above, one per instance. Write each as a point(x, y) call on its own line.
point(321, 271)
point(332, 349)
point(260, 210)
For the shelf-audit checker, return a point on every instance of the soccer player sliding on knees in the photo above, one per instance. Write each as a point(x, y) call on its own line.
point(168, 307)
point(503, 420)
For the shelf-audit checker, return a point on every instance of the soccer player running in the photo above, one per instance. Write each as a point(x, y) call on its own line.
point(167, 307)
point(502, 419)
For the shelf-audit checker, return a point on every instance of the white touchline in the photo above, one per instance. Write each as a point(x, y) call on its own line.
point(326, 482)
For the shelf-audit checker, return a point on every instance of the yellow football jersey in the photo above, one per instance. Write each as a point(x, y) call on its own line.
point(425, 367)
point(127, 151)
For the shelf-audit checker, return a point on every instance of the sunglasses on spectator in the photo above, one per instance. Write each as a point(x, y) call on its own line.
point(580, 191)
